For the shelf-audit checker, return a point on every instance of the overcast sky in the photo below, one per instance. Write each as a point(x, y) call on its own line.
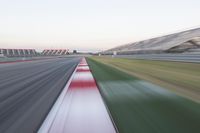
point(91, 24)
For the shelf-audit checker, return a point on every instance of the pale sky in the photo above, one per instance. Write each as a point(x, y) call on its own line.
point(92, 25)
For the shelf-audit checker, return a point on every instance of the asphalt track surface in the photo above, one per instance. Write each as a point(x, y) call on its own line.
point(194, 58)
point(138, 106)
point(28, 91)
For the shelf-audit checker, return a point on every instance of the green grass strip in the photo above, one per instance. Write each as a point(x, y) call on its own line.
point(138, 106)
point(182, 78)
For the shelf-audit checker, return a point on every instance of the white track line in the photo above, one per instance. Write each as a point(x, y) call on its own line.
point(52, 114)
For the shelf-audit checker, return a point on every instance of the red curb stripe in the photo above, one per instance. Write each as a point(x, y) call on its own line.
point(86, 70)
point(82, 65)
point(82, 84)
point(82, 109)
point(83, 70)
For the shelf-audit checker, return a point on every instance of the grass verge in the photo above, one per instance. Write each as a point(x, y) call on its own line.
point(138, 106)
point(181, 78)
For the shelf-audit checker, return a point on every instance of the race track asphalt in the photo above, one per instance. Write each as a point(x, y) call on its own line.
point(28, 90)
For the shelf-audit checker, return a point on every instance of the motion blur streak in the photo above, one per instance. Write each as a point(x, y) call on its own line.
point(28, 90)
point(138, 106)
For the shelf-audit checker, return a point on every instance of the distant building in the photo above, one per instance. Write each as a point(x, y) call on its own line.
point(74, 51)
point(18, 52)
point(186, 41)
point(55, 52)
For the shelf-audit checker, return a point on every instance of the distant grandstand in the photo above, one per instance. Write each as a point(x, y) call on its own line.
point(55, 52)
point(18, 52)
point(175, 43)
point(32, 52)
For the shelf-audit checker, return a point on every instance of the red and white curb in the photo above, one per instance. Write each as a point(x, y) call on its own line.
point(79, 108)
